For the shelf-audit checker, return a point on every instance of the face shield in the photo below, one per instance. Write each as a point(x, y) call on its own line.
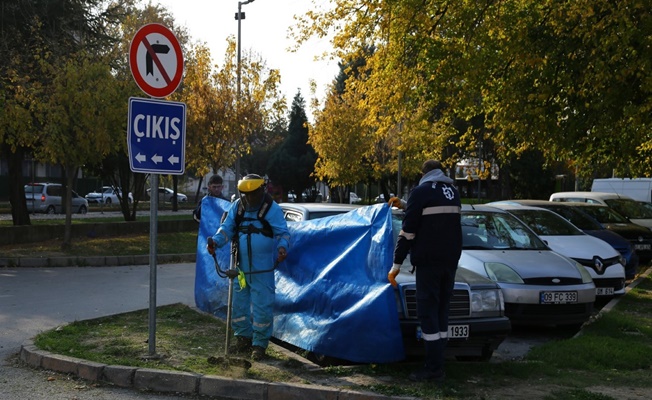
point(252, 189)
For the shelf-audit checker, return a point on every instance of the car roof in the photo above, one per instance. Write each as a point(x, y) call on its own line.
point(312, 207)
point(527, 202)
point(481, 207)
point(589, 195)
point(514, 206)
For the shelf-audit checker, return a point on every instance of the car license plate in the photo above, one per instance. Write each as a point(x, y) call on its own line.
point(454, 331)
point(458, 331)
point(642, 247)
point(604, 291)
point(557, 297)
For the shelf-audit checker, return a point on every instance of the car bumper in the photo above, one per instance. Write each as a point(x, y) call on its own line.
point(485, 335)
point(36, 208)
point(523, 307)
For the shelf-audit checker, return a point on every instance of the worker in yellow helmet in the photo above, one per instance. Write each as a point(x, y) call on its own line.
point(257, 227)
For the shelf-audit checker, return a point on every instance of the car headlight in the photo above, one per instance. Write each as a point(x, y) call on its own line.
point(486, 300)
point(499, 272)
point(622, 261)
point(586, 276)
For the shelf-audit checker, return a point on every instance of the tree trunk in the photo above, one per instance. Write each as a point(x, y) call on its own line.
point(175, 184)
point(197, 193)
point(19, 212)
point(66, 202)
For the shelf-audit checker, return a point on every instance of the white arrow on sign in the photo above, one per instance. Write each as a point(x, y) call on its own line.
point(157, 159)
point(140, 157)
point(173, 159)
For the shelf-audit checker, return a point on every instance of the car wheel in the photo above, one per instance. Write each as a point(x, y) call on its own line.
point(108, 200)
point(50, 210)
point(83, 210)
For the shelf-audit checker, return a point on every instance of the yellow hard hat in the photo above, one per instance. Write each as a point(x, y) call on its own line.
point(250, 183)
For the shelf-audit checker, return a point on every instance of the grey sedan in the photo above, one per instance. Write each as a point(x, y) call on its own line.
point(540, 286)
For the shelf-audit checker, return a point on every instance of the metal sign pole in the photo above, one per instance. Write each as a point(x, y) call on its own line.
point(156, 130)
point(153, 229)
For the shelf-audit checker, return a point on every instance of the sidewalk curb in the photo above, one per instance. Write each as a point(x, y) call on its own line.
point(166, 381)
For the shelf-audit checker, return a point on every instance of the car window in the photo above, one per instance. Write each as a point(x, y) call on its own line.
point(577, 200)
point(322, 214)
point(630, 208)
point(53, 190)
point(33, 189)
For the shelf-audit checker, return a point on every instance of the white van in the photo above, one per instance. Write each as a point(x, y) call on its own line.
point(638, 188)
point(634, 210)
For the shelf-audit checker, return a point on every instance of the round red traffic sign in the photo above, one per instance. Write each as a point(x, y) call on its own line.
point(156, 60)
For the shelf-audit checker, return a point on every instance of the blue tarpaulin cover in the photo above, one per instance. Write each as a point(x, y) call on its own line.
point(332, 293)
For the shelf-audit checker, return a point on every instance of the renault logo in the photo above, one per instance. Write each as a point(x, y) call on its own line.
point(597, 262)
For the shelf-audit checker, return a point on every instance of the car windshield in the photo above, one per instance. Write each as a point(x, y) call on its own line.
point(546, 223)
point(605, 215)
point(489, 231)
point(576, 217)
point(497, 231)
point(630, 208)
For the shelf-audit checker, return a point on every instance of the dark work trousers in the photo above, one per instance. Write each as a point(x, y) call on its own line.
point(434, 290)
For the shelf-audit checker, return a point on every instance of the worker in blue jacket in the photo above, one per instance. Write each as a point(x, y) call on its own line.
point(256, 225)
point(432, 234)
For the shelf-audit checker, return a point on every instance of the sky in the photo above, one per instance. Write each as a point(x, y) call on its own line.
point(264, 31)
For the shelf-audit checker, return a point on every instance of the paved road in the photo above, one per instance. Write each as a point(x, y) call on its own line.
point(36, 299)
point(102, 214)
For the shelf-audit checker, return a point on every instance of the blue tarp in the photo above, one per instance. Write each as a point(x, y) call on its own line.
point(332, 294)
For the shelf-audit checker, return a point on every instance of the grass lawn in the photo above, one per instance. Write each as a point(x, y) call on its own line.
point(136, 244)
point(610, 359)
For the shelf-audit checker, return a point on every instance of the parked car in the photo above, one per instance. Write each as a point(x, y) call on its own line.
point(167, 194)
point(639, 189)
point(306, 211)
point(623, 205)
point(107, 195)
point(540, 286)
point(354, 198)
point(381, 198)
point(603, 262)
point(47, 198)
point(639, 236)
point(477, 321)
point(591, 225)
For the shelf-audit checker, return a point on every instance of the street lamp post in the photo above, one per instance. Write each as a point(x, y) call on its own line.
point(239, 16)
